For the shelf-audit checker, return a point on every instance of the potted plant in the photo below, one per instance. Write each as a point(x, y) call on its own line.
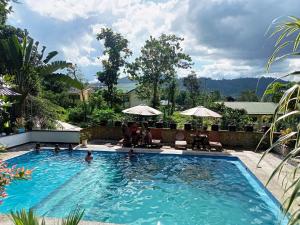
point(215, 127)
point(84, 137)
point(187, 126)
point(6, 128)
point(20, 125)
point(118, 123)
point(2, 147)
point(29, 125)
point(173, 125)
point(159, 124)
point(103, 122)
point(249, 128)
point(232, 127)
point(284, 147)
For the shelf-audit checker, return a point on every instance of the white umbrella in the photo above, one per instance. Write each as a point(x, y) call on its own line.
point(142, 110)
point(200, 111)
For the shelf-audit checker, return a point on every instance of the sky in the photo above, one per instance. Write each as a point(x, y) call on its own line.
point(225, 38)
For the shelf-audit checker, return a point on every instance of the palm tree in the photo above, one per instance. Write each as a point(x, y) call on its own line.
point(287, 45)
point(26, 66)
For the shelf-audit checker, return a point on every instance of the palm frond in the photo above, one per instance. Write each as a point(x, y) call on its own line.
point(285, 30)
point(24, 218)
point(53, 67)
point(50, 56)
point(74, 217)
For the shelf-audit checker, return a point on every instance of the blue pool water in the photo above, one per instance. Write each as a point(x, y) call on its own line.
point(146, 189)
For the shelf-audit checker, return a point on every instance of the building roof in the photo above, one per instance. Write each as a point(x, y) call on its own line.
point(253, 108)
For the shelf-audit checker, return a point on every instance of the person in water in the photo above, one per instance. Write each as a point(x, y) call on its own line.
point(88, 157)
point(56, 148)
point(130, 153)
point(70, 148)
point(37, 147)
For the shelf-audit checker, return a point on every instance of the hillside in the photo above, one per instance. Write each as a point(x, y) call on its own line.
point(226, 87)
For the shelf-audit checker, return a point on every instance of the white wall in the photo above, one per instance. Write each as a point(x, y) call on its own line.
point(16, 139)
point(55, 136)
point(41, 136)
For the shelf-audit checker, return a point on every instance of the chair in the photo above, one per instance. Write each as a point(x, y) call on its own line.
point(156, 137)
point(180, 141)
point(214, 141)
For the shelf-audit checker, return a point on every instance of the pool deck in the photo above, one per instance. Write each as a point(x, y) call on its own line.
point(249, 158)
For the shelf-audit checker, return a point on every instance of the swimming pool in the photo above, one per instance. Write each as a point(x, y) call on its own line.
point(145, 189)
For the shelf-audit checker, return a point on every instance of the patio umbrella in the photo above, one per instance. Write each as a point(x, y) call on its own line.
point(4, 91)
point(142, 110)
point(200, 111)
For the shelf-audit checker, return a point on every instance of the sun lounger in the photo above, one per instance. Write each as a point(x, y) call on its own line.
point(214, 141)
point(156, 137)
point(180, 141)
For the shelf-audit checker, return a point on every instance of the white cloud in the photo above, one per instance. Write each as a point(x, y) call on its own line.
point(67, 10)
point(214, 32)
point(79, 51)
point(225, 68)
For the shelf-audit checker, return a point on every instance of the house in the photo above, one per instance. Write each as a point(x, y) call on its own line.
point(132, 99)
point(256, 110)
point(78, 95)
point(253, 108)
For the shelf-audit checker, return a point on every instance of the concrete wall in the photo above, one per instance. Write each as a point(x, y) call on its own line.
point(55, 136)
point(41, 136)
point(16, 139)
point(239, 139)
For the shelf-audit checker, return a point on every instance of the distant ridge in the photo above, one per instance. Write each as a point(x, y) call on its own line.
point(227, 87)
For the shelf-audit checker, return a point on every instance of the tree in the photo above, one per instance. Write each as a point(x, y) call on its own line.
point(248, 96)
point(181, 99)
point(215, 96)
point(157, 64)
point(192, 85)
point(116, 48)
point(171, 94)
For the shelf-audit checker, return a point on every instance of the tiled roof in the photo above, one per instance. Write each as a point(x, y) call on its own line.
point(253, 108)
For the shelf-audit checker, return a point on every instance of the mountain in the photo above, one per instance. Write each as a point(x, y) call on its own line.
point(234, 87)
point(227, 87)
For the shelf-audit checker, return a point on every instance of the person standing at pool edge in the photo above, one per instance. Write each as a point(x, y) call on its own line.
point(88, 157)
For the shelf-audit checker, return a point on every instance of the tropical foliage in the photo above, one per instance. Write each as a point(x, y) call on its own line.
point(288, 109)
point(26, 66)
point(24, 217)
